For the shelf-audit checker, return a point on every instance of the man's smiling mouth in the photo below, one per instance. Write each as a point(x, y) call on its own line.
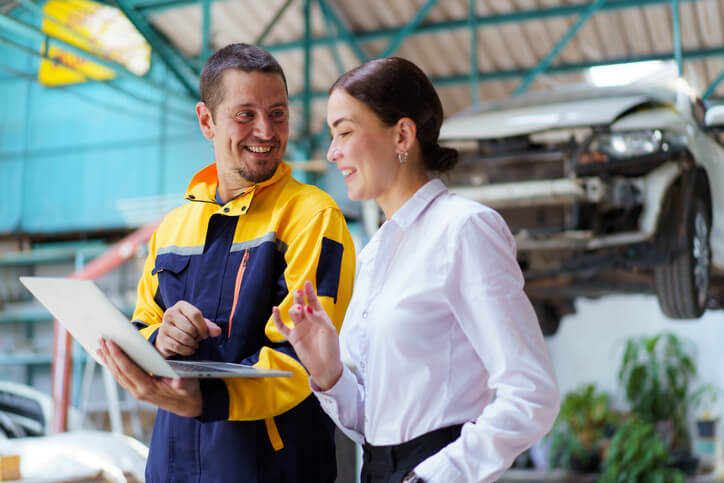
point(259, 149)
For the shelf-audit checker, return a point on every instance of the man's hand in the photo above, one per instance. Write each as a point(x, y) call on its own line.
point(313, 337)
point(179, 396)
point(182, 328)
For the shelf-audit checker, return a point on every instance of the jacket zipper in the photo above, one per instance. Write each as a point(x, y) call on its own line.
point(237, 286)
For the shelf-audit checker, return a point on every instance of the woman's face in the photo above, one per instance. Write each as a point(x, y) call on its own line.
point(362, 146)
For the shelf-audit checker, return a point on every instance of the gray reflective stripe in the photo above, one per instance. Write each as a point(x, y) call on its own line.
point(269, 237)
point(181, 250)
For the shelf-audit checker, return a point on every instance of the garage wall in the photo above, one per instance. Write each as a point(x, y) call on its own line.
point(83, 157)
point(589, 344)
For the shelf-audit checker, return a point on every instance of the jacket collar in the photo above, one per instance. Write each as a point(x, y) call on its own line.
point(204, 183)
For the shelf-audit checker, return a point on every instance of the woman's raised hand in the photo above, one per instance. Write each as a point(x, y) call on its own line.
point(313, 337)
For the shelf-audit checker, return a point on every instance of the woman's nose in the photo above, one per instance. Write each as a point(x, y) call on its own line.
point(332, 154)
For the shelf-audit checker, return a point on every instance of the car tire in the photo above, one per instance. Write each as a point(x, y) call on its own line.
point(682, 281)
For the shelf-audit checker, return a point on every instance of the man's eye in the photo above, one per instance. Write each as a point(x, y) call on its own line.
point(279, 114)
point(244, 115)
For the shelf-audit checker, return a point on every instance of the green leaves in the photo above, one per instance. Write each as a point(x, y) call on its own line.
point(579, 429)
point(656, 372)
point(637, 453)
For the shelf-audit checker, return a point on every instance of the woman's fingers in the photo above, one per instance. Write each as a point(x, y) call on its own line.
point(298, 297)
point(281, 326)
point(312, 299)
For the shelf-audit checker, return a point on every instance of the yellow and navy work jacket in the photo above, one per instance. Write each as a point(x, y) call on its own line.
point(234, 262)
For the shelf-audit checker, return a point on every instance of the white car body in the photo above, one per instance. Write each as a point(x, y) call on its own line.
point(670, 114)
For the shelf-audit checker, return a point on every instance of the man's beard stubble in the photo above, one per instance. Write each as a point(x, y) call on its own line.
point(258, 176)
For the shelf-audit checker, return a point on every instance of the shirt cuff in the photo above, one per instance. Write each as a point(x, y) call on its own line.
point(340, 404)
point(331, 398)
point(437, 469)
point(152, 339)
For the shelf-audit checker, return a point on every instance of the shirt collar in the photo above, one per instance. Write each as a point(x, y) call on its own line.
point(413, 207)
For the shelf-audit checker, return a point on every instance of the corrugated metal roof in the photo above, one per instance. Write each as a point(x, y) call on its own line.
point(612, 34)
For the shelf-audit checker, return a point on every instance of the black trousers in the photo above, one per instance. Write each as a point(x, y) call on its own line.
point(389, 464)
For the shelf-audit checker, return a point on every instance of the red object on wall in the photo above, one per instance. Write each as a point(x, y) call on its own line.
point(117, 255)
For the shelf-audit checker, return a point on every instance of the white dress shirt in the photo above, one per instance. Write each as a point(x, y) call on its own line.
point(439, 332)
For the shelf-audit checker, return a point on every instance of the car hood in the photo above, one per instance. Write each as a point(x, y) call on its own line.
point(520, 120)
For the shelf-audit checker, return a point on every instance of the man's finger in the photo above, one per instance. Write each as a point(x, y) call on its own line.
point(281, 326)
point(181, 337)
point(312, 299)
point(196, 318)
point(111, 361)
point(214, 330)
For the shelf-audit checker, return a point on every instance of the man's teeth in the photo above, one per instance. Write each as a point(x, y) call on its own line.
point(346, 172)
point(259, 149)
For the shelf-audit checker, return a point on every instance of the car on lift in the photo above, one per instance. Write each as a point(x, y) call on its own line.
point(606, 190)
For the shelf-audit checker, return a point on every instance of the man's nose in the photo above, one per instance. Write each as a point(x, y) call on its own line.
point(263, 127)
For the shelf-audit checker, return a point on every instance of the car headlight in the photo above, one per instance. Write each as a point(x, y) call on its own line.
point(627, 144)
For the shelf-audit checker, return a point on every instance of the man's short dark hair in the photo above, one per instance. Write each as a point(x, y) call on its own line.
point(244, 57)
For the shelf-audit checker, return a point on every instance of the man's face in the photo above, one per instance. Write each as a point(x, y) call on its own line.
point(249, 128)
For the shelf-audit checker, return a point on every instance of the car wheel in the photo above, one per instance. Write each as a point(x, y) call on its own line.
point(682, 281)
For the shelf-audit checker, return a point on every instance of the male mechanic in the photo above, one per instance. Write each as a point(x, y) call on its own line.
point(248, 236)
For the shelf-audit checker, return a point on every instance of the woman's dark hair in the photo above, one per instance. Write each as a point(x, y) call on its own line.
point(395, 88)
point(244, 57)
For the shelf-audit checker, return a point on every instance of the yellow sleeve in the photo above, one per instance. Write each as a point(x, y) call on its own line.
point(323, 253)
point(148, 314)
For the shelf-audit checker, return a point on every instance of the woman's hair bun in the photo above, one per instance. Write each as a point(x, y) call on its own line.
point(441, 159)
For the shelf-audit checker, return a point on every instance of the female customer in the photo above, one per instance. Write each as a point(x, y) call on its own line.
point(449, 378)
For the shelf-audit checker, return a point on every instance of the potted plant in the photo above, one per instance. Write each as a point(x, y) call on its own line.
point(638, 453)
point(703, 400)
point(656, 373)
point(578, 435)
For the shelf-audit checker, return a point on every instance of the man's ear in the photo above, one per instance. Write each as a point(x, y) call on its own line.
point(405, 133)
point(206, 121)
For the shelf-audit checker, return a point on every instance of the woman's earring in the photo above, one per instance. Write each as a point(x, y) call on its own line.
point(402, 157)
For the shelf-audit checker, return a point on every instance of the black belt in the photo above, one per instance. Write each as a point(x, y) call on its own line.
point(383, 464)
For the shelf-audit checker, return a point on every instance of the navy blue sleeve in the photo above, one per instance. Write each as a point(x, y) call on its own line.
point(329, 268)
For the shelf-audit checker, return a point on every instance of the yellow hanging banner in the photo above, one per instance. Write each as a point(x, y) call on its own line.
point(101, 30)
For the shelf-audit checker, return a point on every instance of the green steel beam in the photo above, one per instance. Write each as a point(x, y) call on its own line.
point(405, 31)
point(24, 29)
point(457, 79)
point(692, 54)
point(161, 5)
point(260, 40)
point(206, 30)
point(546, 61)
point(710, 90)
point(307, 99)
point(474, 78)
point(333, 48)
point(342, 29)
point(173, 59)
point(676, 35)
point(482, 21)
